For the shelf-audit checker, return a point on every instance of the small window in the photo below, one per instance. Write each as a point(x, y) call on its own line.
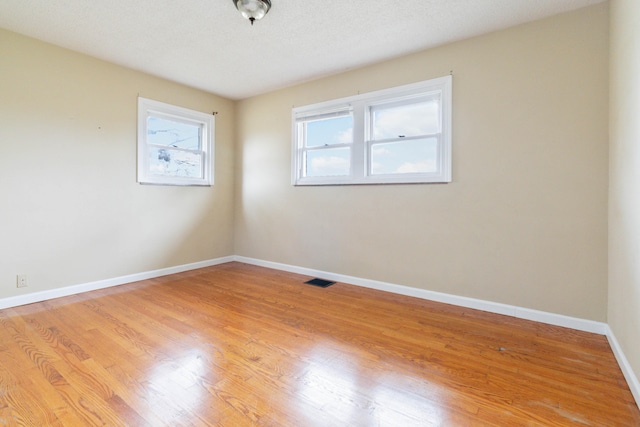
point(175, 145)
point(399, 135)
point(327, 137)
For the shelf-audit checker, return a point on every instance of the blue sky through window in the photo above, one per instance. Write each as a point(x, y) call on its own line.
point(411, 156)
point(329, 162)
point(408, 120)
point(331, 131)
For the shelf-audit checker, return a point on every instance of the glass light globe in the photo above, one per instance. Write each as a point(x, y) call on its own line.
point(253, 9)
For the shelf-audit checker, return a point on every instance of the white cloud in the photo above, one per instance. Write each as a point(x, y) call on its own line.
point(381, 151)
point(417, 167)
point(345, 137)
point(328, 165)
point(410, 120)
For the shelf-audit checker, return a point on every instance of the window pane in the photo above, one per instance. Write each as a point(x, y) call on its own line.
point(161, 131)
point(408, 120)
point(168, 162)
point(329, 162)
point(331, 131)
point(414, 156)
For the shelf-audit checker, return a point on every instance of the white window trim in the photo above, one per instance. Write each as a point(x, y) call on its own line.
point(359, 148)
point(149, 107)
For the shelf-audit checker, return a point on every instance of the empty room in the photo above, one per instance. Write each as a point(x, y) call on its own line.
point(297, 213)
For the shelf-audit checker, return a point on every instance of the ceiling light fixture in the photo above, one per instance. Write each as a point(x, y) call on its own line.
point(253, 10)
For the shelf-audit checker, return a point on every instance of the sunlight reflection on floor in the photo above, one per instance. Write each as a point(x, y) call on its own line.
point(334, 383)
point(180, 380)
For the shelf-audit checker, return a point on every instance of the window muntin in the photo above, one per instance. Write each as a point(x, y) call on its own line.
point(175, 144)
point(398, 135)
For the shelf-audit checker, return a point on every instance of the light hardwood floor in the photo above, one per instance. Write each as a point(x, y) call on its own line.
point(239, 345)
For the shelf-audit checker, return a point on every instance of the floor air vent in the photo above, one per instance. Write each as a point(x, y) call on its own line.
point(320, 282)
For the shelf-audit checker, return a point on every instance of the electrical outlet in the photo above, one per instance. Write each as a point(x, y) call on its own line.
point(21, 281)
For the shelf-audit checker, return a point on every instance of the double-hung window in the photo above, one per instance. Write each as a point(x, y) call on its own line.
point(398, 135)
point(175, 145)
point(328, 143)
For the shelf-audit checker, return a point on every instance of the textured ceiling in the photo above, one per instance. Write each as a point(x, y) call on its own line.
point(208, 45)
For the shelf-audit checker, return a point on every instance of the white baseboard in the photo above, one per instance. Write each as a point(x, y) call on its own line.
point(107, 283)
point(492, 307)
point(629, 375)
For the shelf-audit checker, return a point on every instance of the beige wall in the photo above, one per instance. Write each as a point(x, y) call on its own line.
point(72, 211)
point(524, 221)
point(624, 176)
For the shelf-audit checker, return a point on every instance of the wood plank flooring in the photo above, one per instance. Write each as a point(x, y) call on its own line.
point(239, 345)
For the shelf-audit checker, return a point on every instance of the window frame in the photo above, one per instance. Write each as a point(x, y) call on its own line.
point(150, 108)
point(323, 114)
point(361, 105)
